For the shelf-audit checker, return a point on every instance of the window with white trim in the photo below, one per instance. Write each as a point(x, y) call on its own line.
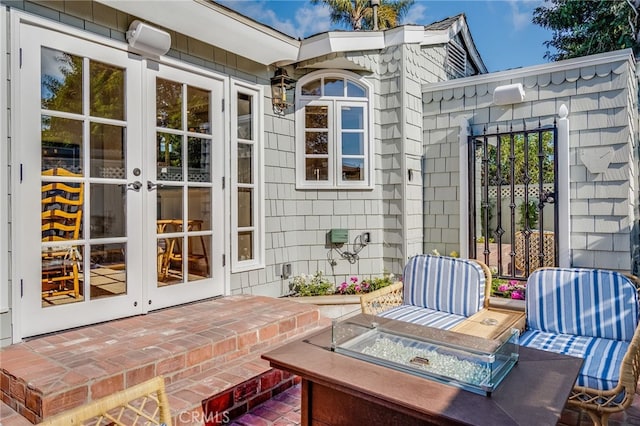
point(333, 131)
point(247, 178)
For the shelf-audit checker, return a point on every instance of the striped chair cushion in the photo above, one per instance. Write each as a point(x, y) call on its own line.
point(423, 316)
point(583, 302)
point(444, 284)
point(602, 357)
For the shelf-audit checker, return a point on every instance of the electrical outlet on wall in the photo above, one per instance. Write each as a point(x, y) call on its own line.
point(285, 271)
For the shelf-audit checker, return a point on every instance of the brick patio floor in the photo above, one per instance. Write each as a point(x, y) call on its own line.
point(252, 324)
point(208, 353)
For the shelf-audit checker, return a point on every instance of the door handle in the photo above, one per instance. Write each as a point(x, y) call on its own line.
point(151, 185)
point(135, 186)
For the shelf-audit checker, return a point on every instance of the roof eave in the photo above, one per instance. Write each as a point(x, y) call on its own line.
point(213, 24)
point(340, 41)
point(517, 73)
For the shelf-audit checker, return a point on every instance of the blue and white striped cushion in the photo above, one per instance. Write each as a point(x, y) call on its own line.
point(602, 357)
point(583, 302)
point(444, 284)
point(423, 316)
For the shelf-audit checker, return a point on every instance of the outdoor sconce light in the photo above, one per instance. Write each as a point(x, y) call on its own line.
point(145, 39)
point(509, 94)
point(280, 83)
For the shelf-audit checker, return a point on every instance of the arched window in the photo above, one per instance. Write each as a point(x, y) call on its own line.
point(333, 136)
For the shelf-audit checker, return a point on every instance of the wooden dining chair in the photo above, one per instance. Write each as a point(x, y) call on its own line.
point(62, 204)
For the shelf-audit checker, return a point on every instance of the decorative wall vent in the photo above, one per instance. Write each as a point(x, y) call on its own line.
point(456, 61)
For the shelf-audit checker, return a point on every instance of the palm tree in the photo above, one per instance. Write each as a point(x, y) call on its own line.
point(358, 14)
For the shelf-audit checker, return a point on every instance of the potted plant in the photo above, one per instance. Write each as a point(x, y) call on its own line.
point(528, 210)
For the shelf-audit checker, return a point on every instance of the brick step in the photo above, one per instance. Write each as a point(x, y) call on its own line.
point(221, 394)
point(202, 349)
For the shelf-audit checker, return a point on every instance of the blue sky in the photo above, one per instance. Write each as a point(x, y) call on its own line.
point(502, 29)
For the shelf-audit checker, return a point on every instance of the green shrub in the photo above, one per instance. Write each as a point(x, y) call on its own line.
point(311, 285)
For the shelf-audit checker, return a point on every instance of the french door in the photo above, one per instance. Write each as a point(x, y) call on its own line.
point(118, 200)
point(184, 164)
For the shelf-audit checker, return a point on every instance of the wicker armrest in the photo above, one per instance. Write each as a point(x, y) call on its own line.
point(600, 404)
point(147, 402)
point(381, 300)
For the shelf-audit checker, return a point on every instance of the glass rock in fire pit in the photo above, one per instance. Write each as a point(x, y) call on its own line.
point(469, 362)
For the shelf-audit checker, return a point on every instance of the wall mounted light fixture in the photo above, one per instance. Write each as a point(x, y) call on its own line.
point(508, 94)
point(148, 40)
point(280, 83)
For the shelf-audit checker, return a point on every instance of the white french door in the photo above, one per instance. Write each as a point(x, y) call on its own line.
point(184, 164)
point(119, 199)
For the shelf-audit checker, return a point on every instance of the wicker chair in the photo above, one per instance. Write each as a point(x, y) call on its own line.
point(598, 404)
point(393, 296)
point(382, 299)
point(142, 404)
point(603, 329)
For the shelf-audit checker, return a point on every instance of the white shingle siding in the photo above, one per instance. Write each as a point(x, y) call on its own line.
point(602, 102)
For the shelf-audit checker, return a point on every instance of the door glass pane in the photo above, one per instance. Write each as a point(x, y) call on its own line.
point(107, 274)
point(60, 81)
point(198, 263)
point(198, 102)
point(352, 144)
point(107, 151)
point(317, 169)
point(245, 163)
point(107, 91)
point(245, 207)
point(170, 270)
point(352, 169)
point(169, 157)
point(245, 118)
point(108, 209)
point(245, 245)
point(333, 87)
point(170, 204)
point(61, 225)
point(168, 104)
point(61, 144)
point(62, 211)
point(199, 160)
point(200, 205)
point(62, 278)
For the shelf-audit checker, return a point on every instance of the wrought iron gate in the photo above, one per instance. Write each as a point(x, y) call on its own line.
point(512, 186)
